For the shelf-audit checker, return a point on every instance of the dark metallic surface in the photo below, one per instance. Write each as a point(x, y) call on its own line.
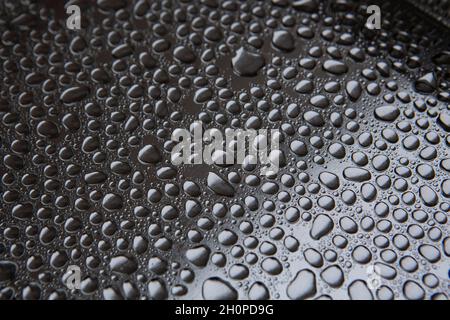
point(87, 116)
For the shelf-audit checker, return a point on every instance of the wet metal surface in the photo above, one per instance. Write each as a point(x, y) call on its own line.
point(358, 210)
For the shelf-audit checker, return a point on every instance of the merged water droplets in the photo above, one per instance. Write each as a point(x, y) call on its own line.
point(87, 179)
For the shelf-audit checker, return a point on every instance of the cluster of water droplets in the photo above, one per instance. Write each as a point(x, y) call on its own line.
point(86, 124)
